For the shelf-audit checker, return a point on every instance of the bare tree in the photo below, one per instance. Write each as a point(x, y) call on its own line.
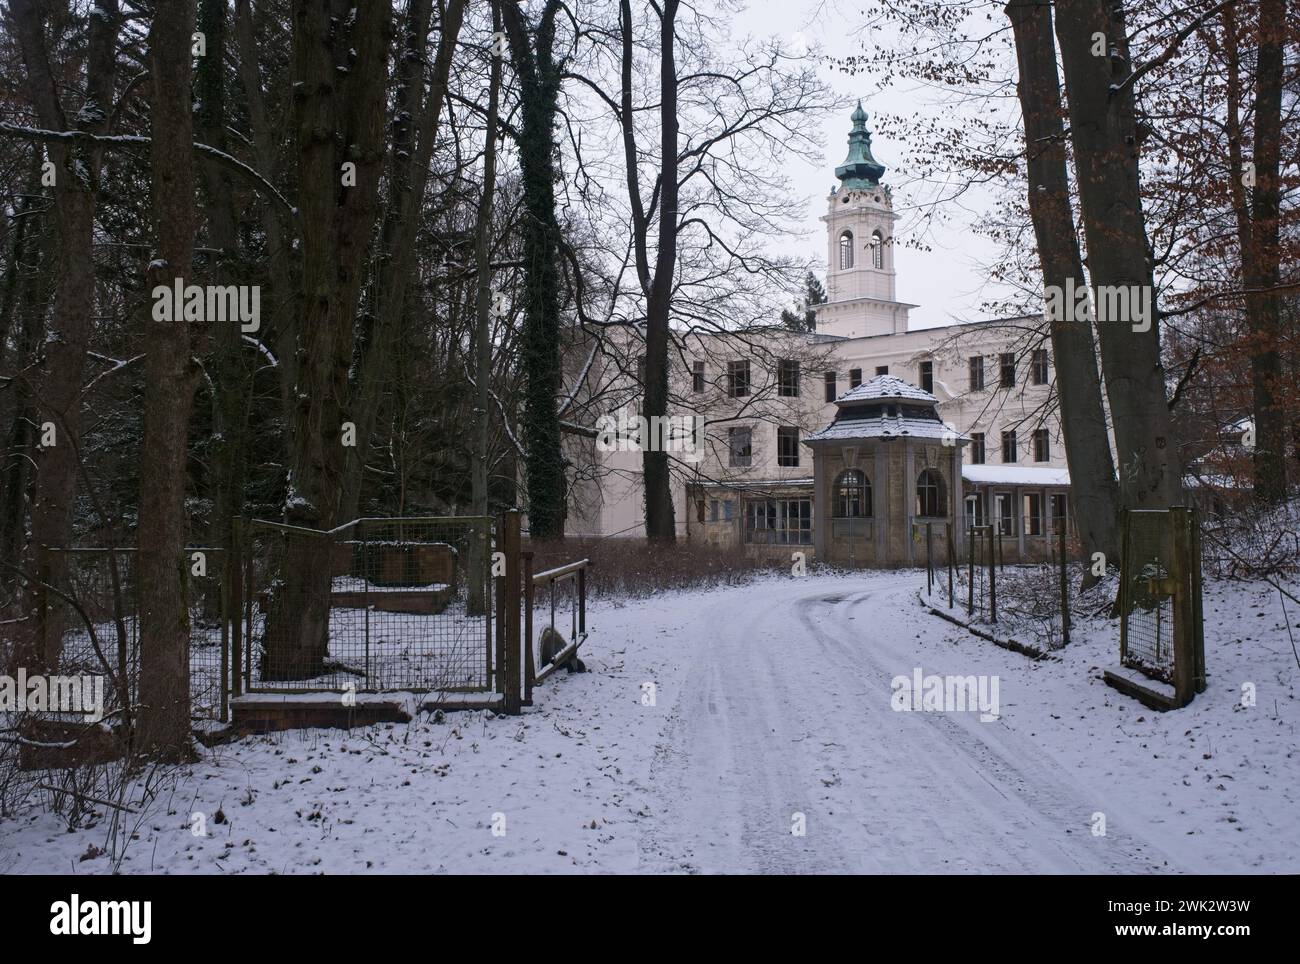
point(1078, 386)
point(171, 373)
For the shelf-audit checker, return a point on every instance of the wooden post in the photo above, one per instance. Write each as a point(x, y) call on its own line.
point(499, 653)
point(929, 559)
point(530, 668)
point(235, 572)
point(225, 590)
point(511, 669)
point(993, 580)
point(948, 538)
point(1184, 645)
point(1123, 587)
point(582, 600)
point(970, 572)
point(1198, 615)
point(1065, 590)
point(43, 610)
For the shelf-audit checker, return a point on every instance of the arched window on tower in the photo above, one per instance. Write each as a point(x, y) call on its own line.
point(846, 250)
point(877, 250)
point(852, 495)
point(930, 500)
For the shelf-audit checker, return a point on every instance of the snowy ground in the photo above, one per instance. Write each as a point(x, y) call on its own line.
point(771, 700)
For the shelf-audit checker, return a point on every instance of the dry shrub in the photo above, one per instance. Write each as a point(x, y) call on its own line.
point(625, 567)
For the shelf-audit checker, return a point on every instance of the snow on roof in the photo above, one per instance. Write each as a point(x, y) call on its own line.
point(745, 484)
point(886, 427)
point(883, 387)
point(1015, 475)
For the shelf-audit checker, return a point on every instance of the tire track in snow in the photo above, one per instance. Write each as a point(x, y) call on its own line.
point(770, 721)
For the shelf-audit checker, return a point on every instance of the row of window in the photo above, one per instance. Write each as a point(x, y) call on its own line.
point(1031, 512)
point(1011, 448)
point(877, 245)
point(1038, 370)
point(740, 446)
point(740, 383)
point(852, 495)
point(789, 521)
point(740, 377)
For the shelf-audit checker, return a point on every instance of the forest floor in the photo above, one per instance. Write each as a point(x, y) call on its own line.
point(768, 742)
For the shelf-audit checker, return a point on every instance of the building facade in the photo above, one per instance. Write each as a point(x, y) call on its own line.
point(973, 433)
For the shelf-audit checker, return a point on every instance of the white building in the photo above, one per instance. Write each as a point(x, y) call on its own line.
point(752, 483)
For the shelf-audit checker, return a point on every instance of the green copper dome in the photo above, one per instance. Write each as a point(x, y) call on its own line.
point(860, 171)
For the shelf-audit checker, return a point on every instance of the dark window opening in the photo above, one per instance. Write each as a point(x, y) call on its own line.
point(1008, 447)
point(787, 378)
point(852, 495)
point(787, 446)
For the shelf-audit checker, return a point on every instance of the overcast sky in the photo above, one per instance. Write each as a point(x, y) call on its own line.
point(947, 282)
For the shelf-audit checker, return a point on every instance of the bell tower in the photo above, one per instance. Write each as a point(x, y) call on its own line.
point(860, 246)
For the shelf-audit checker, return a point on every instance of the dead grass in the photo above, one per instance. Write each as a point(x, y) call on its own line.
point(625, 567)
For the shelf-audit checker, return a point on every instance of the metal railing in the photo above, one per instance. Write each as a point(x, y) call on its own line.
point(566, 581)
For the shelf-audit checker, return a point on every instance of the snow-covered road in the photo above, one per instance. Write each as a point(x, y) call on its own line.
point(772, 723)
point(771, 700)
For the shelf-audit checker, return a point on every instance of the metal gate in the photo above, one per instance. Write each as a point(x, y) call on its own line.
point(375, 604)
point(1161, 624)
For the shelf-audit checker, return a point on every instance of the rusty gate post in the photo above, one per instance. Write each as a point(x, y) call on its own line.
point(1065, 590)
point(970, 572)
point(234, 575)
point(510, 544)
point(1184, 647)
point(530, 668)
point(948, 540)
point(993, 578)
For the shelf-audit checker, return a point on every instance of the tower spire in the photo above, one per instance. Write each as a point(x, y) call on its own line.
point(860, 171)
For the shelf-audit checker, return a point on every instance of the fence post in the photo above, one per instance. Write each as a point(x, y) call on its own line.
point(234, 579)
point(1123, 588)
point(43, 609)
point(993, 579)
point(510, 645)
point(530, 669)
point(1198, 616)
point(929, 559)
point(1065, 589)
point(582, 600)
point(970, 572)
point(948, 539)
point(1184, 648)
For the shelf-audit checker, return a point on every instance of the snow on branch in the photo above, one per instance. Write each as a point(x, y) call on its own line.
point(136, 140)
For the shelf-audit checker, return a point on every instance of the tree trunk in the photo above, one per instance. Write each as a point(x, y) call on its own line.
point(1261, 259)
point(230, 371)
point(660, 522)
point(411, 152)
point(339, 117)
point(1104, 134)
point(56, 388)
point(540, 338)
point(171, 375)
point(1093, 488)
point(482, 341)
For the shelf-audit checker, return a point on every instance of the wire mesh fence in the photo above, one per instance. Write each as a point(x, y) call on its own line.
point(89, 617)
point(1032, 600)
point(377, 604)
point(1148, 641)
